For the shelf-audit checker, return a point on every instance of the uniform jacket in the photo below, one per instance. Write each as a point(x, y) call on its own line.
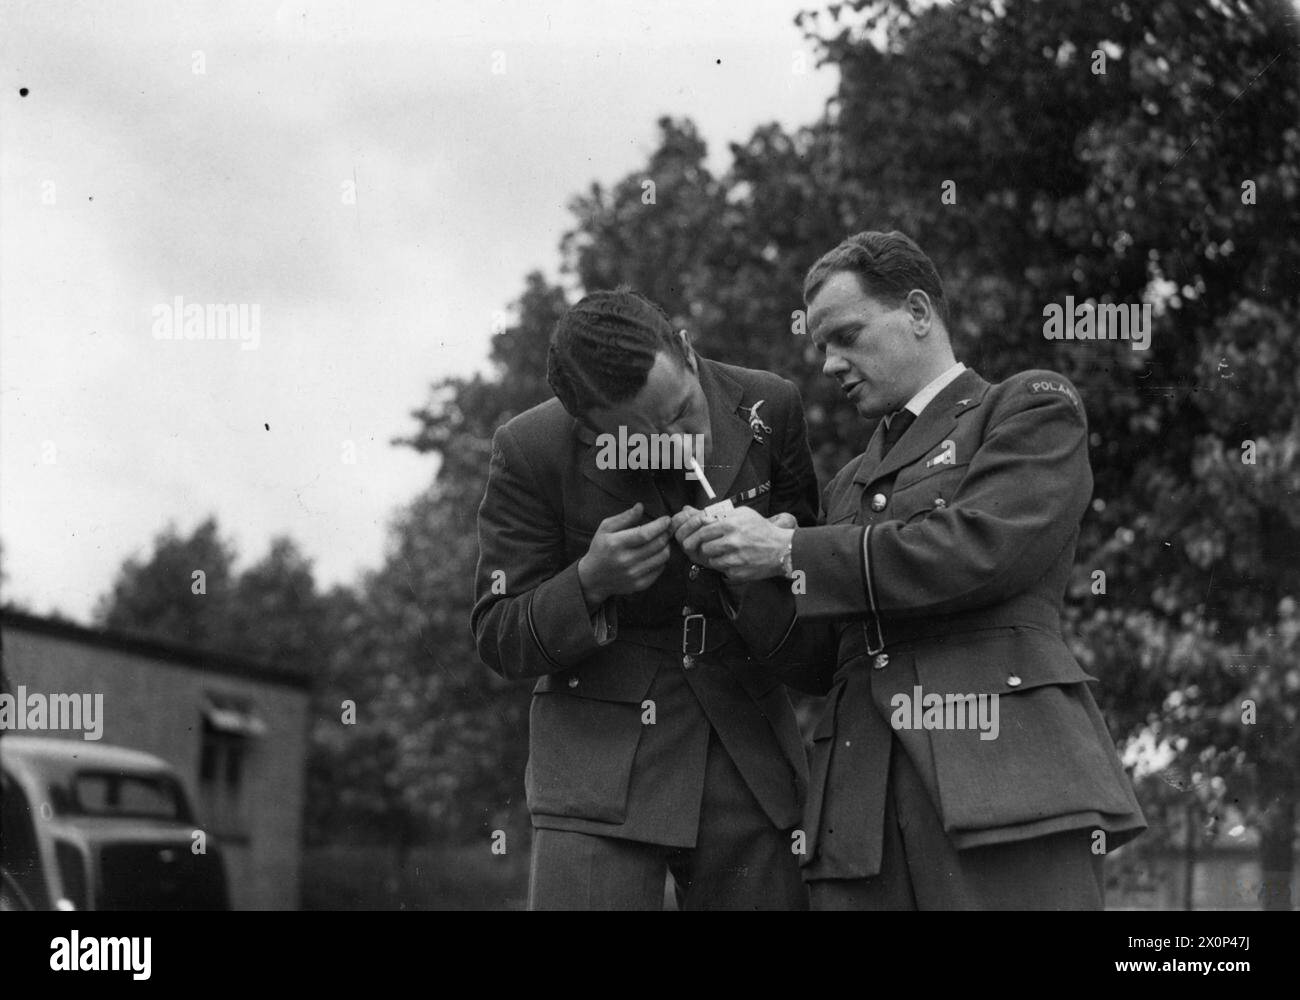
point(970, 525)
point(592, 766)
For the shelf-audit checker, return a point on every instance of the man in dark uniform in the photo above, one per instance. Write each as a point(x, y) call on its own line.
point(961, 761)
point(661, 737)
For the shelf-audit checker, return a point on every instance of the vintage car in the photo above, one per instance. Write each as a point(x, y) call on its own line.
point(85, 826)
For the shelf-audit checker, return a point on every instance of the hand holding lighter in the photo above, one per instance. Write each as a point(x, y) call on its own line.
point(719, 509)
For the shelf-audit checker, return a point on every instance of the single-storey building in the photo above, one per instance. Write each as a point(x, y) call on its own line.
point(235, 730)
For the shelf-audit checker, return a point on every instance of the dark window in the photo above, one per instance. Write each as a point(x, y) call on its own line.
point(103, 793)
point(221, 781)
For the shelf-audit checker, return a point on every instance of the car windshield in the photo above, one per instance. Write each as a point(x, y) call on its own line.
point(104, 793)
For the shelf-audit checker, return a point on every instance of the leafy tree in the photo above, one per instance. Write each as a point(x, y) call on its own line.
point(164, 596)
point(454, 732)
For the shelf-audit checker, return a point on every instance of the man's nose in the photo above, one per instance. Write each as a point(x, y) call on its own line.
point(834, 365)
point(680, 428)
point(693, 430)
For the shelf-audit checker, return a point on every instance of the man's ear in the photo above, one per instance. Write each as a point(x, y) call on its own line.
point(920, 309)
point(691, 363)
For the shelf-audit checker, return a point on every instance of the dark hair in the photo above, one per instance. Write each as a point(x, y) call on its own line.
point(604, 347)
point(889, 265)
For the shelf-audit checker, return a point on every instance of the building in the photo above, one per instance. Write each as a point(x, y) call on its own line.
point(235, 730)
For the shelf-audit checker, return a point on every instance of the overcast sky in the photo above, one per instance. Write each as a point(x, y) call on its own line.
point(129, 178)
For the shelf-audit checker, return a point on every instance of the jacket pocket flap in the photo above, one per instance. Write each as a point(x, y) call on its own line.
point(602, 678)
point(1009, 662)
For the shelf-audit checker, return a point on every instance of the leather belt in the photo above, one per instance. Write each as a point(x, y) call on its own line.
point(695, 636)
point(1026, 611)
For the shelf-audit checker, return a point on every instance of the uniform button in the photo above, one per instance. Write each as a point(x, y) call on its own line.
point(848, 743)
point(573, 682)
point(940, 502)
point(1013, 681)
point(694, 572)
point(688, 662)
point(882, 661)
point(878, 502)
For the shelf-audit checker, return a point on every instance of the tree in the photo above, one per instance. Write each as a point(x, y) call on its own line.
point(455, 733)
point(182, 592)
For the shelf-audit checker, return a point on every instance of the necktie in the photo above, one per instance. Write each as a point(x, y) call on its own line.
point(897, 424)
point(674, 489)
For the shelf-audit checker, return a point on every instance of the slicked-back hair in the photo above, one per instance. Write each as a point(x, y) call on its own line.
point(603, 348)
point(889, 265)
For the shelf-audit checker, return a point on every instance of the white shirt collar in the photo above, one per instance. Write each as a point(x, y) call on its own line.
point(922, 399)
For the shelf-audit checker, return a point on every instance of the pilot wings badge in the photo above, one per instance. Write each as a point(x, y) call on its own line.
point(756, 422)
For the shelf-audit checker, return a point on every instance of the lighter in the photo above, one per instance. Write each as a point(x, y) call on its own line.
point(720, 508)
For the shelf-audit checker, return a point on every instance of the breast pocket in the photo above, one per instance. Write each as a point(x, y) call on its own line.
point(916, 495)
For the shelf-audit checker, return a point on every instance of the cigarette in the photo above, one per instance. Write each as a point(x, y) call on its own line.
point(704, 480)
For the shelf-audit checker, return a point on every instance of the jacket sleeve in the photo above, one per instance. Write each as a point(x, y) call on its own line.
point(766, 616)
point(529, 615)
point(1020, 502)
point(763, 611)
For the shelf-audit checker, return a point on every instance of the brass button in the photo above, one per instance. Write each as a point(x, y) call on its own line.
point(878, 502)
point(881, 661)
point(694, 572)
point(688, 661)
point(940, 502)
point(573, 682)
point(1013, 681)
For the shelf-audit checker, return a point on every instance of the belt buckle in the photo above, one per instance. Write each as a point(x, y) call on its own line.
point(686, 630)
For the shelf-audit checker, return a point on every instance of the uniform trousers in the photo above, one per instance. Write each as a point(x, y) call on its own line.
point(740, 861)
point(920, 869)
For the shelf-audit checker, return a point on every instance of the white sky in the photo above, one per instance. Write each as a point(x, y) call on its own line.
point(227, 187)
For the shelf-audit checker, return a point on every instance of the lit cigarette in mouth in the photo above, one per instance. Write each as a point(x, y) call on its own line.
point(704, 480)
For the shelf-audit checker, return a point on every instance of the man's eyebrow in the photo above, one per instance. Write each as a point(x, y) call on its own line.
point(830, 330)
point(680, 408)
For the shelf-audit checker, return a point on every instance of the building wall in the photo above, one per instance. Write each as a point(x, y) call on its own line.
point(155, 705)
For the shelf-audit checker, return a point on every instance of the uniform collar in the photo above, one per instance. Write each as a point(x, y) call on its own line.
point(922, 399)
point(960, 396)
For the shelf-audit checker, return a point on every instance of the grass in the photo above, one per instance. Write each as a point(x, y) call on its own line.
point(361, 877)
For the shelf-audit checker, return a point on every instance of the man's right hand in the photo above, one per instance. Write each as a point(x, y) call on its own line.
point(624, 558)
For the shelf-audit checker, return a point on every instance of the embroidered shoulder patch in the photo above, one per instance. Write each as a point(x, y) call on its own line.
point(1052, 385)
